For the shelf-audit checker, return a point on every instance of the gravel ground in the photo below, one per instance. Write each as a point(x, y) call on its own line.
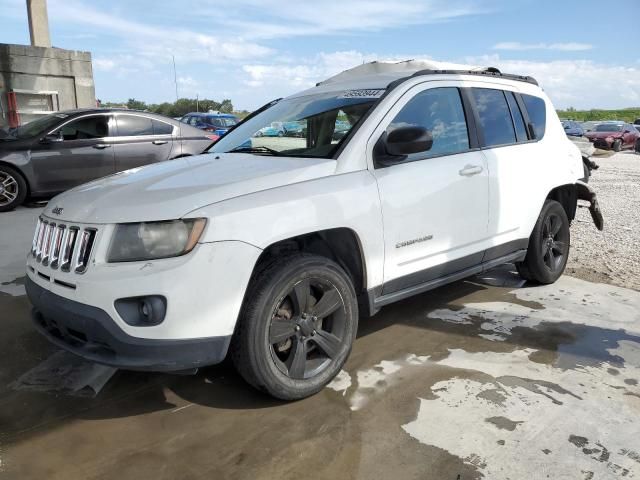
point(613, 255)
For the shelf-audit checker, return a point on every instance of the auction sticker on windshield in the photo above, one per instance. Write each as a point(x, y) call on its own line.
point(364, 93)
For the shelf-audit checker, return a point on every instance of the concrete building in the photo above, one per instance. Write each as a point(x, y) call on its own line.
point(37, 79)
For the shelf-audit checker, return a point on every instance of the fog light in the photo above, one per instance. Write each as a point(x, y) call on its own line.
point(142, 311)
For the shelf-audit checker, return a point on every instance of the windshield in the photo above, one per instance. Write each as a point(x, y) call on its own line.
point(608, 127)
point(41, 125)
point(309, 126)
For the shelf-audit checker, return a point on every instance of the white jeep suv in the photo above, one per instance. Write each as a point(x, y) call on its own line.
point(400, 178)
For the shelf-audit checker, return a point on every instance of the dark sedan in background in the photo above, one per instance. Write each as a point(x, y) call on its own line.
point(65, 149)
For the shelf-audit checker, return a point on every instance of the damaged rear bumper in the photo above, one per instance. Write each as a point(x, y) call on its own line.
point(585, 192)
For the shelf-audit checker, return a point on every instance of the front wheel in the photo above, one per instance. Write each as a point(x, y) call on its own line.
point(297, 326)
point(548, 249)
point(13, 188)
point(617, 145)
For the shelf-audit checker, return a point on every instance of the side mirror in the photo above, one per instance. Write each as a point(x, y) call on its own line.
point(407, 140)
point(395, 146)
point(567, 127)
point(52, 138)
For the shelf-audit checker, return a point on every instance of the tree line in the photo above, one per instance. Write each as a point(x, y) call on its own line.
point(624, 114)
point(178, 108)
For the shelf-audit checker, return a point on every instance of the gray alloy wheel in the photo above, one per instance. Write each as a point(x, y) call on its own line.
point(13, 188)
point(549, 244)
point(297, 326)
point(307, 328)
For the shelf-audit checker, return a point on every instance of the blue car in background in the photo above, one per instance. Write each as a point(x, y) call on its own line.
point(572, 128)
point(216, 123)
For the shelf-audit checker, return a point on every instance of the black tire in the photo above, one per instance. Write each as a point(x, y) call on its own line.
point(637, 147)
point(13, 188)
point(297, 326)
point(617, 145)
point(549, 245)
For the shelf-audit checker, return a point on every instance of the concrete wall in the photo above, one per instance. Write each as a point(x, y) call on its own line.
point(68, 72)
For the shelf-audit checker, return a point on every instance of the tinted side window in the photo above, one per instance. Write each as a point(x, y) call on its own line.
point(537, 114)
point(193, 120)
point(133, 125)
point(161, 128)
point(439, 110)
point(518, 121)
point(494, 115)
point(96, 126)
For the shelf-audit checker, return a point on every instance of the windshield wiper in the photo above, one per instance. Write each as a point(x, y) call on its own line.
point(261, 149)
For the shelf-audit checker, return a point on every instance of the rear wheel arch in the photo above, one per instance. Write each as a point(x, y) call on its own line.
point(567, 196)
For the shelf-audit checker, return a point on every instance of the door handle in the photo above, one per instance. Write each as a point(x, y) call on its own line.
point(101, 146)
point(470, 170)
point(159, 142)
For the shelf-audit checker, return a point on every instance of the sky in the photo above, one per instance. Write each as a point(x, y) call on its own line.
point(584, 53)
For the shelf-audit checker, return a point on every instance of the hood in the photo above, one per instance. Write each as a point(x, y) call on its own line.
point(171, 189)
point(603, 134)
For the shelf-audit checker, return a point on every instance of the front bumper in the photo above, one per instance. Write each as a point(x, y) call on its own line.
point(91, 333)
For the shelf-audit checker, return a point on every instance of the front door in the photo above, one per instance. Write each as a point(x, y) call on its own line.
point(141, 140)
point(77, 152)
point(434, 203)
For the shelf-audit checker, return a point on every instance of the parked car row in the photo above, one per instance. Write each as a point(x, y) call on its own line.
point(64, 149)
point(214, 122)
point(283, 129)
point(606, 135)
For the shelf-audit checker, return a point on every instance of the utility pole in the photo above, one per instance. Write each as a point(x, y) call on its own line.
point(175, 75)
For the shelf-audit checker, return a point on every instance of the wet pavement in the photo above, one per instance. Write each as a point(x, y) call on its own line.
point(486, 378)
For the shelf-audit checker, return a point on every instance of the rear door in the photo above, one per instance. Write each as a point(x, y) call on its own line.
point(84, 151)
point(141, 140)
point(515, 162)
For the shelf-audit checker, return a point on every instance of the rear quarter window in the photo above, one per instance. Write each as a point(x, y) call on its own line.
point(133, 126)
point(537, 111)
point(161, 128)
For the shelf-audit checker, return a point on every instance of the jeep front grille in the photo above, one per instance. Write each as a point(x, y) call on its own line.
point(58, 245)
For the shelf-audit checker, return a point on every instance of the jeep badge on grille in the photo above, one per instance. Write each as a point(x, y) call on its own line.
point(57, 211)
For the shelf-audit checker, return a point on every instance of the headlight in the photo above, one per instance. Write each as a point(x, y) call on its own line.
point(152, 240)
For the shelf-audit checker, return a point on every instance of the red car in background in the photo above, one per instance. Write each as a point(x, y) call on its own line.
point(614, 136)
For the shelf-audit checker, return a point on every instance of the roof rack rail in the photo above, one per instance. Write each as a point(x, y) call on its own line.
point(488, 72)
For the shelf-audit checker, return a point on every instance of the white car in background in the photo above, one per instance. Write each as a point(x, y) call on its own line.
point(273, 253)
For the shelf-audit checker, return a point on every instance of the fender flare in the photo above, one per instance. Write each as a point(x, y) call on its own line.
point(585, 192)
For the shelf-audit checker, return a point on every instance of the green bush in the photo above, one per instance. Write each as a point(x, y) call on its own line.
point(625, 114)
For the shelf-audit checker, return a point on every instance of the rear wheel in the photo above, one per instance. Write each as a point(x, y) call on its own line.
point(298, 323)
point(13, 188)
point(548, 249)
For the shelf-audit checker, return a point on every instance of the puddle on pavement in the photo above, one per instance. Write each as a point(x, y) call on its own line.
point(13, 287)
point(567, 353)
point(468, 381)
point(65, 373)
